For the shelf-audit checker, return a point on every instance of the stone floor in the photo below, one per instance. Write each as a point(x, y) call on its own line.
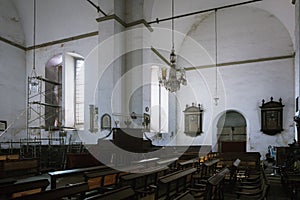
point(277, 191)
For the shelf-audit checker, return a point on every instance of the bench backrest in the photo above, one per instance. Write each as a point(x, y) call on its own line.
point(214, 184)
point(102, 178)
point(172, 184)
point(16, 167)
point(71, 172)
point(67, 191)
point(143, 179)
point(23, 189)
point(185, 196)
point(124, 193)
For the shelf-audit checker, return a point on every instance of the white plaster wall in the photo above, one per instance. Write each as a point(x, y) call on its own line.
point(56, 19)
point(244, 33)
point(12, 71)
point(244, 94)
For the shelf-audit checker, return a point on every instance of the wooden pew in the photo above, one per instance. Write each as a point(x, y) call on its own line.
point(215, 185)
point(71, 172)
point(10, 157)
point(249, 160)
point(74, 160)
point(234, 174)
point(170, 162)
point(76, 190)
point(208, 168)
point(102, 179)
point(212, 188)
point(17, 167)
point(185, 196)
point(23, 188)
point(124, 193)
point(143, 182)
point(172, 184)
point(254, 190)
point(7, 181)
point(187, 164)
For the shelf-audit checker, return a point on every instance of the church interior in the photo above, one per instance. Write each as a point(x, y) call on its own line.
point(156, 99)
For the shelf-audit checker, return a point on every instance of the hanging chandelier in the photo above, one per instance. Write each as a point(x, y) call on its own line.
point(176, 76)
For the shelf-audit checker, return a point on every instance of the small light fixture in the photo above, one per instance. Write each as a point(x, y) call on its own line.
point(176, 75)
point(33, 79)
point(216, 98)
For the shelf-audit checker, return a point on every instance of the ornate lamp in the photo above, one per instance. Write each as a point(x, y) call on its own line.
point(176, 75)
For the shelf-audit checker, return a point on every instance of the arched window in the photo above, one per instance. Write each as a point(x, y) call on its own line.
point(53, 92)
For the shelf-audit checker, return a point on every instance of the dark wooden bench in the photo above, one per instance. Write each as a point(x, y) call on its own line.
point(71, 172)
point(169, 162)
point(144, 181)
point(74, 160)
point(102, 179)
point(234, 173)
point(76, 191)
point(187, 164)
point(19, 167)
point(215, 185)
point(172, 184)
point(10, 157)
point(124, 193)
point(206, 169)
point(185, 196)
point(258, 190)
point(148, 162)
point(211, 188)
point(7, 181)
point(23, 188)
point(249, 160)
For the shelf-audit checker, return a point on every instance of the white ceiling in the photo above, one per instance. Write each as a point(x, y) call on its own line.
point(55, 18)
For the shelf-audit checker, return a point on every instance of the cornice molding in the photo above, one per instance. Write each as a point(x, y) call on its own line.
point(77, 37)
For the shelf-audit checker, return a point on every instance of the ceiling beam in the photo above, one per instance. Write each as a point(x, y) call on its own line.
point(202, 11)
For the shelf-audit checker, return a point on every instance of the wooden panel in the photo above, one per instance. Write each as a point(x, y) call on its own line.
point(25, 193)
point(9, 168)
point(94, 182)
point(234, 146)
point(80, 160)
point(20, 165)
point(110, 180)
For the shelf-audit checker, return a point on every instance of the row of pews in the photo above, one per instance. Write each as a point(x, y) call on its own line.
point(151, 178)
point(13, 165)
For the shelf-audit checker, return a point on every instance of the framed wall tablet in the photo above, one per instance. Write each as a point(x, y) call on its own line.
point(106, 122)
point(3, 125)
point(193, 120)
point(271, 116)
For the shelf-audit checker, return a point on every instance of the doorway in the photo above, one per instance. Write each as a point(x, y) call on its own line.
point(231, 132)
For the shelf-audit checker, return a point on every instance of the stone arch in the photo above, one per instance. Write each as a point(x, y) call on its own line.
point(231, 131)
